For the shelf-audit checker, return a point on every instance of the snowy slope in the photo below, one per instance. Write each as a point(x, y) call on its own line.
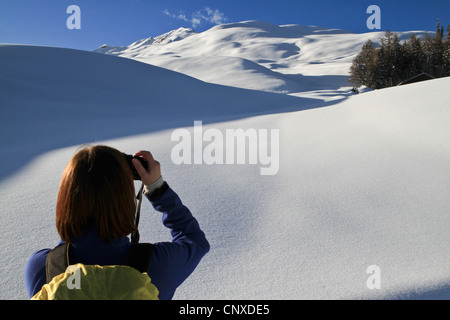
point(361, 182)
point(80, 94)
point(290, 59)
point(52, 98)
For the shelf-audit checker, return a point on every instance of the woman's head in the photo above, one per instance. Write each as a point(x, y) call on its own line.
point(96, 191)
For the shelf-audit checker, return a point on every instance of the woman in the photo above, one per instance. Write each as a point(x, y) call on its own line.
point(95, 212)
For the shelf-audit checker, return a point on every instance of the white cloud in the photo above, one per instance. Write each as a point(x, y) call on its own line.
point(180, 16)
point(207, 14)
point(215, 16)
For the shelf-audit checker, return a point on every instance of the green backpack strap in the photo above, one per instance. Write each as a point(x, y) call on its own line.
point(138, 257)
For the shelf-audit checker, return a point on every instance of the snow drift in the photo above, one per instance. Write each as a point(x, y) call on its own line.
point(362, 181)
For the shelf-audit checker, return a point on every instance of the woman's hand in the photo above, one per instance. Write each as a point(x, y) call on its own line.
point(154, 168)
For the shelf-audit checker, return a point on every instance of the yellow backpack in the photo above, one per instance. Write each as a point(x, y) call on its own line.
point(94, 282)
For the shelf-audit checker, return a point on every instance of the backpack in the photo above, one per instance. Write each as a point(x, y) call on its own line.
point(93, 282)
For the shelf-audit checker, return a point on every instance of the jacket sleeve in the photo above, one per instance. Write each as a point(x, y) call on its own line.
point(35, 276)
point(172, 262)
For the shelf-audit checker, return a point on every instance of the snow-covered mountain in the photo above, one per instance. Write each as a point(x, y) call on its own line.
point(290, 59)
point(362, 179)
point(171, 36)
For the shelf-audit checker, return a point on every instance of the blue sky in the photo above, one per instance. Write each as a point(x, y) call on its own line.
point(121, 22)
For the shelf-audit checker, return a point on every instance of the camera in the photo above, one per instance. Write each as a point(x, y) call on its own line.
point(129, 158)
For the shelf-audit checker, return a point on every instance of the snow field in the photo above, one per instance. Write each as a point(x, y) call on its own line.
point(362, 180)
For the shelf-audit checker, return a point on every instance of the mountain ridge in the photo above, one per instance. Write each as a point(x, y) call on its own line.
point(258, 55)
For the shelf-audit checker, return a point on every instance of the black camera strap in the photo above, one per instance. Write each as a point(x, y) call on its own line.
point(135, 235)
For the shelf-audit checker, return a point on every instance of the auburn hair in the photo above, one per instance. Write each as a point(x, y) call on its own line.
point(96, 192)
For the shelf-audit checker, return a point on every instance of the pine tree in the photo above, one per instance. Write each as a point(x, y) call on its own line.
point(416, 57)
point(446, 55)
point(437, 53)
point(390, 55)
point(446, 67)
point(438, 28)
point(427, 47)
point(398, 62)
point(364, 66)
